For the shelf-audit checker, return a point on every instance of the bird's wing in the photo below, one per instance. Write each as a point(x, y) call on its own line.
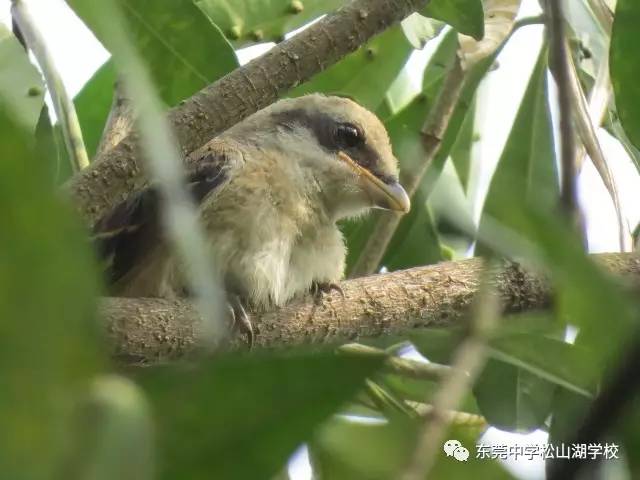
point(133, 229)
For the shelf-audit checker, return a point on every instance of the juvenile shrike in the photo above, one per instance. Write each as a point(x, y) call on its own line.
point(269, 192)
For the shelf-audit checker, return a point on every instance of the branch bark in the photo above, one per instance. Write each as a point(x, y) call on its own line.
point(113, 175)
point(394, 304)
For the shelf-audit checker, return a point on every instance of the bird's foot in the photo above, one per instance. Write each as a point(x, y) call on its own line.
point(241, 320)
point(320, 288)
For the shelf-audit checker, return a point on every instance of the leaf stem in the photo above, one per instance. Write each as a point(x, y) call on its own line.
point(62, 104)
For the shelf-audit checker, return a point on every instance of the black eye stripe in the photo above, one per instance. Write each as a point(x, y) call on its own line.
point(325, 129)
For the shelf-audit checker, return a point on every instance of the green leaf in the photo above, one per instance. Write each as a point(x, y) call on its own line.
point(366, 74)
point(241, 417)
point(93, 104)
point(474, 467)
point(48, 327)
point(250, 21)
point(353, 450)
point(625, 68)
point(345, 449)
point(560, 364)
point(437, 344)
point(21, 86)
point(184, 52)
point(511, 398)
point(416, 241)
point(521, 217)
point(461, 150)
point(526, 173)
point(113, 433)
point(466, 16)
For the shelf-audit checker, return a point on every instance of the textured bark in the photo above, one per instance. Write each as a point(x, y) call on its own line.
point(113, 175)
point(391, 304)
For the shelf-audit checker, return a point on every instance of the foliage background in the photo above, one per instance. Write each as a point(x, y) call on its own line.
point(178, 423)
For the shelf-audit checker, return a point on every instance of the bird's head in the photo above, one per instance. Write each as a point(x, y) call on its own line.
point(341, 148)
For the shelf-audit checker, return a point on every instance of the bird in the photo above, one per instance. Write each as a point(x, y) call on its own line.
point(269, 192)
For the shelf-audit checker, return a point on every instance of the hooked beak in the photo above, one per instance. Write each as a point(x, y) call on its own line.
point(388, 196)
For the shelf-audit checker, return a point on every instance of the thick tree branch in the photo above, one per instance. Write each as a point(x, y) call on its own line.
point(392, 304)
point(115, 174)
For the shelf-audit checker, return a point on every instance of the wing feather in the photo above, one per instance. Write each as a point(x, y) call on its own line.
point(132, 229)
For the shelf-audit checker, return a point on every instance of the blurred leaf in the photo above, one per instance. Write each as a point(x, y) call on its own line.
point(21, 86)
point(625, 70)
point(93, 104)
point(241, 417)
point(513, 399)
point(358, 450)
point(184, 52)
point(345, 449)
point(569, 410)
point(251, 21)
point(462, 148)
point(366, 74)
point(466, 16)
point(476, 468)
point(560, 364)
point(113, 436)
point(437, 344)
point(50, 150)
point(419, 30)
point(48, 326)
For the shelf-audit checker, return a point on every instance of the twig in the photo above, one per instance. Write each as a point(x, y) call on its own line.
point(398, 365)
point(64, 108)
point(468, 362)
point(151, 330)
point(561, 71)
point(455, 418)
point(164, 162)
point(232, 98)
point(119, 122)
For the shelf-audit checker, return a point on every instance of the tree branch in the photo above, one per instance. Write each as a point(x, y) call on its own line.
point(113, 175)
point(394, 304)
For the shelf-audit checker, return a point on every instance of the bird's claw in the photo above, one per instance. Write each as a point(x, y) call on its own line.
point(241, 320)
point(320, 288)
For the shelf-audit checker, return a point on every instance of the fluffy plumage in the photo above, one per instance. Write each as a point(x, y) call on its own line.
point(270, 191)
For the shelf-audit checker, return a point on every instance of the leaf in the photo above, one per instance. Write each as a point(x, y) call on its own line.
point(21, 86)
point(350, 449)
point(416, 241)
point(513, 399)
point(560, 364)
point(526, 173)
point(241, 417)
point(419, 30)
point(625, 69)
point(366, 74)
point(466, 16)
point(48, 327)
point(462, 148)
point(93, 104)
point(183, 50)
point(113, 433)
point(250, 21)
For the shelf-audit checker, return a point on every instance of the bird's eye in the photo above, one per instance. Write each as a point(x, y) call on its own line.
point(348, 135)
